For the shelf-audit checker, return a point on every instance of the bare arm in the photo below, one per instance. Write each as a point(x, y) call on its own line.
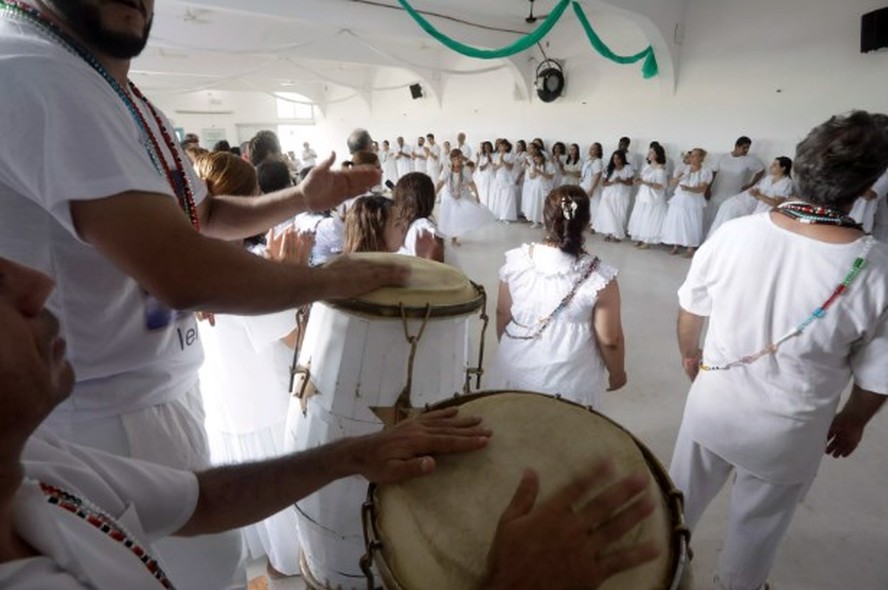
point(236, 218)
point(690, 327)
point(239, 495)
point(608, 326)
point(698, 190)
point(847, 427)
point(503, 309)
point(753, 182)
point(149, 239)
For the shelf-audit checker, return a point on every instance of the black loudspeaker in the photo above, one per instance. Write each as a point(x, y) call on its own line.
point(874, 30)
point(415, 91)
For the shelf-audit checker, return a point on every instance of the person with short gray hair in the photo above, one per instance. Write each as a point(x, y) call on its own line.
point(797, 301)
point(359, 141)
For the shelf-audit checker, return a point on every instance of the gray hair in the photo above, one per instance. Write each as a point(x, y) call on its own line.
point(841, 159)
point(359, 141)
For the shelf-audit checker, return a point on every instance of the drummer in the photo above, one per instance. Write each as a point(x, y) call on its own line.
point(47, 484)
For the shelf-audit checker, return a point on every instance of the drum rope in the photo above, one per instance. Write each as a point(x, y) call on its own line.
point(404, 403)
point(301, 323)
point(478, 371)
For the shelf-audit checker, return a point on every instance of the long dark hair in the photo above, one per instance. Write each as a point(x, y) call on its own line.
point(414, 196)
point(566, 215)
point(611, 166)
point(573, 160)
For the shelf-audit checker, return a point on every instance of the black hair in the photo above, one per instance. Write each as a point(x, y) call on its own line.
point(742, 140)
point(611, 166)
point(273, 175)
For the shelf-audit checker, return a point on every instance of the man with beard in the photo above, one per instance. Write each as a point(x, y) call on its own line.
point(92, 192)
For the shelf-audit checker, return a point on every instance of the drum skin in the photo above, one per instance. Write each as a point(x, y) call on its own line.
point(435, 531)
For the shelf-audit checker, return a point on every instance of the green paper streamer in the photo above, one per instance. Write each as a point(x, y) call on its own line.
point(517, 47)
point(649, 69)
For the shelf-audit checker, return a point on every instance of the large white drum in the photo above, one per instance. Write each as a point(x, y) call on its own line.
point(434, 532)
point(363, 363)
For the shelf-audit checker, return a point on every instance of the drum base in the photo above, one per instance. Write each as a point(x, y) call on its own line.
point(310, 580)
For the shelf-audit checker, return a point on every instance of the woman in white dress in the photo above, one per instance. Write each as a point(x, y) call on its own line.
point(573, 166)
point(558, 157)
point(541, 174)
point(646, 222)
point(484, 175)
point(502, 194)
point(764, 196)
point(558, 312)
point(460, 211)
point(518, 166)
point(684, 219)
point(414, 198)
point(590, 179)
point(245, 379)
point(389, 164)
point(613, 213)
point(527, 182)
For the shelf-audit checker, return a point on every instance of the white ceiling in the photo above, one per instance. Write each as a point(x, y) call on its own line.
point(317, 46)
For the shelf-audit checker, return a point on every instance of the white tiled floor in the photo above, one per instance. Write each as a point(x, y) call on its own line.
point(839, 538)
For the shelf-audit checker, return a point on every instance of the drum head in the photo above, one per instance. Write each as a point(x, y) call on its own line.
point(436, 530)
point(442, 287)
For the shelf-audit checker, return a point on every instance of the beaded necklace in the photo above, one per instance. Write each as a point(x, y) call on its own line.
point(816, 214)
point(817, 314)
point(100, 520)
point(177, 178)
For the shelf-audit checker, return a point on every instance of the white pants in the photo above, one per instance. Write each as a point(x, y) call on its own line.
point(760, 512)
point(171, 434)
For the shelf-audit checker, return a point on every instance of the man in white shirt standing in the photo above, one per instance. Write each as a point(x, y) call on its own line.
point(115, 225)
point(309, 157)
point(462, 146)
point(780, 350)
point(420, 156)
point(733, 173)
point(433, 164)
point(403, 157)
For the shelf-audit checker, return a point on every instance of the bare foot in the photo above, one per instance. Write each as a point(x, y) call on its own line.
point(690, 253)
point(643, 246)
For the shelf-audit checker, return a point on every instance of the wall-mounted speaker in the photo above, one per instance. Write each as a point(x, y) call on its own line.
point(874, 30)
point(415, 91)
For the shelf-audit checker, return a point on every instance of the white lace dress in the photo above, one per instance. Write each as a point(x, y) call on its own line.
point(564, 359)
point(460, 213)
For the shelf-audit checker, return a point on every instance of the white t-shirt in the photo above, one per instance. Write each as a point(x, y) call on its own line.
point(433, 164)
point(734, 172)
point(756, 281)
point(466, 151)
point(590, 169)
point(416, 228)
point(404, 159)
point(880, 223)
point(420, 160)
point(69, 137)
point(309, 158)
point(148, 501)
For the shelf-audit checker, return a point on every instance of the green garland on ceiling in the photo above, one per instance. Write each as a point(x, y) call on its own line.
point(649, 68)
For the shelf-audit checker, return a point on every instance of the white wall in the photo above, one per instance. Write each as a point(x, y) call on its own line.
point(770, 69)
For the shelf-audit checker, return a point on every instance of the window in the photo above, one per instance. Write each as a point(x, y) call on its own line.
point(294, 106)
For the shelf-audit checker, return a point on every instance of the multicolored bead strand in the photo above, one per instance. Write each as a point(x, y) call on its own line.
point(817, 314)
point(98, 519)
point(182, 189)
point(816, 215)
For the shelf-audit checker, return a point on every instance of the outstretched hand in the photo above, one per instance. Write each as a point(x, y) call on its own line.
point(556, 546)
point(407, 450)
point(325, 188)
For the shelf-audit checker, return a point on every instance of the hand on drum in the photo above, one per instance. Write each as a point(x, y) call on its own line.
point(348, 277)
point(557, 546)
point(408, 450)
